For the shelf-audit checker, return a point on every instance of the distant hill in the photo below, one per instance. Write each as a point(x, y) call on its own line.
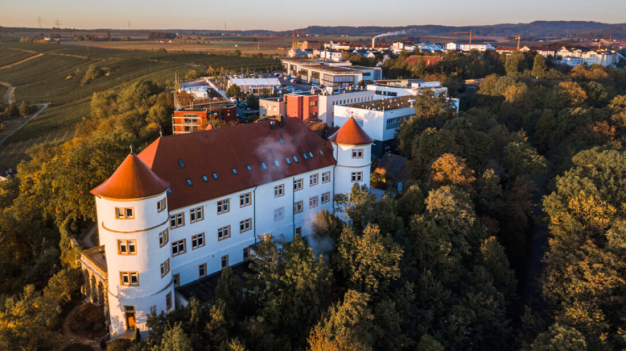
point(557, 29)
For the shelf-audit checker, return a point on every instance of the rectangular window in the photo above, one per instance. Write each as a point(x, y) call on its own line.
point(197, 241)
point(326, 177)
point(245, 225)
point(244, 199)
point(312, 202)
point(297, 207)
point(129, 278)
point(164, 237)
point(299, 231)
point(224, 261)
point(357, 153)
point(161, 204)
point(223, 233)
point(124, 213)
point(202, 270)
point(222, 206)
point(326, 197)
point(168, 301)
point(246, 253)
point(279, 213)
point(127, 247)
point(176, 278)
point(195, 215)
point(357, 177)
point(279, 190)
point(165, 268)
point(177, 220)
point(178, 247)
point(313, 179)
point(297, 184)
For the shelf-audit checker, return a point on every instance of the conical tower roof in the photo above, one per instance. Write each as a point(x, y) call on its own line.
point(132, 180)
point(210, 126)
point(351, 133)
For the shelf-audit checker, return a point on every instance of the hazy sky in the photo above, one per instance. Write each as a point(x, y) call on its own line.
point(282, 15)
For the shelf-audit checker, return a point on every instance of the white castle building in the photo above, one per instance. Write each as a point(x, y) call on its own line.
point(192, 204)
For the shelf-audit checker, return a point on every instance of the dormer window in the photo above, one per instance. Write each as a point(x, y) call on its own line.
point(287, 160)
point(295, 159)
point(205, 178)
point(249, 168)
point(234, 171)
point(310, 154)
point(215, 176)
point(322, 153)
point(304, 155)
point(181, 164)
point(263, 165)
point(276, 163)
point(189, 182)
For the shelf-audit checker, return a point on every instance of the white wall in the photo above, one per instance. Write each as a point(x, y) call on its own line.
point(346, 165)
point(373, 122)
point(144, 229)
point(327, 102)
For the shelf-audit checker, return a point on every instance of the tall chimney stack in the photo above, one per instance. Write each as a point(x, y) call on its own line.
point(373, 43)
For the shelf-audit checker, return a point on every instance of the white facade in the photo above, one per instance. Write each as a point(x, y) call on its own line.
point(353, 161)
point(415, 89)
point(151, 288)
point(379, 124)
point(326, 103)
point(172, 247)
point(576, 57)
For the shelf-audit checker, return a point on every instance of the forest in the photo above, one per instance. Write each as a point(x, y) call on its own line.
point(510, 235)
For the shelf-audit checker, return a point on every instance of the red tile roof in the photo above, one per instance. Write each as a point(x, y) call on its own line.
point(221, 150)
point(428, 60)
point(132, 180)
point(351, 134)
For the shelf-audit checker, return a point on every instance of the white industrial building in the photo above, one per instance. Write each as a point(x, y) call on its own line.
point(469, 47)
point(380, 119)
point(189, 205)
point(330, 74)
point(255, 85)
point(327, 102)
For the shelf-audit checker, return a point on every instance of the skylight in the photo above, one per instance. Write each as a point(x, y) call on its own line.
point(248, 167)
point(310, 154)
point(181, 164)
point(322, 153)
point(205, 178)
point(189, 182)
point(276, 163)
point(234, 171)
point(169, 191)
point(287, 160)
point(215, 176)
point(263, 165)
point(304, 155)
point(295, 158)
point(281, 141)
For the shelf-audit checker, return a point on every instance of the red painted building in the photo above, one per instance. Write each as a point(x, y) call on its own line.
point(301, 106)
point(195, 112)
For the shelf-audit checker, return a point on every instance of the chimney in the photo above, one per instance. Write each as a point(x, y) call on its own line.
point(373, 43)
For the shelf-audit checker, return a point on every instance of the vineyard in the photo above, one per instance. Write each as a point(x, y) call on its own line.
point(56, 78)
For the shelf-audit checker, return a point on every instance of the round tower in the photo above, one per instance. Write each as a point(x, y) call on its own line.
point(352, 148)
point(133, 226)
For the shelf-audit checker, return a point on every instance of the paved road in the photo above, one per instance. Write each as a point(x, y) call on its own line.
point(43, 107)
point(9, 94)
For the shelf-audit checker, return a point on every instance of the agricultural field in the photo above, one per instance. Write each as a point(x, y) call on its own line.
point(56, 78)
point(277, 45)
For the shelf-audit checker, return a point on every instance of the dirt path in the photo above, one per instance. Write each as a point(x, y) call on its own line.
point(70, 338)
point(18, 62)
point(43, 107)
point(9, 94)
